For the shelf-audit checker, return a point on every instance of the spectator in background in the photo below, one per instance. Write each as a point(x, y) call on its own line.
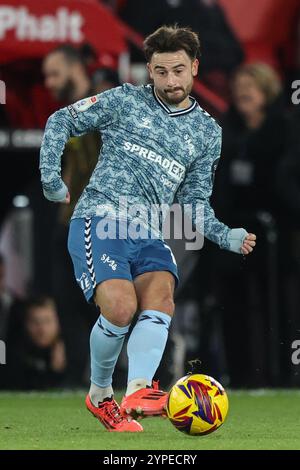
point(65, 74)
point(36, 359)
point(254, 138)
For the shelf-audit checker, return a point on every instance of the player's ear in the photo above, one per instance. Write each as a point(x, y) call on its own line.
point(195, 66)
point(149, 70)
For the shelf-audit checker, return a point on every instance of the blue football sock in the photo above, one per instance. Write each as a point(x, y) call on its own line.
point(146, 344)
point(106, 342)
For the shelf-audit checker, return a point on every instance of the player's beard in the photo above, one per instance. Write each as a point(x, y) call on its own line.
point(171, 97)
point(66, 92)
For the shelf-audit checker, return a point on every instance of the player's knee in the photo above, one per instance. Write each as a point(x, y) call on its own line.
point(123, 311)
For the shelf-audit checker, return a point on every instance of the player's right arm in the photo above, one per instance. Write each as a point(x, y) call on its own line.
point(195, 192)
point(91, 114)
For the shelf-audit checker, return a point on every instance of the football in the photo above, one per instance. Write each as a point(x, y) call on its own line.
point(197, 405)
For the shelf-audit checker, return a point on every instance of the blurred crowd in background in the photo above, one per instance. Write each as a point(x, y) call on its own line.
point(238, 316)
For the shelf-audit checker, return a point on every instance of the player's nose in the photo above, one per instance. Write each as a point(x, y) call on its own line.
point(171, 81)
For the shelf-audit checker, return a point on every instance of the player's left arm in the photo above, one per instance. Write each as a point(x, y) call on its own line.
point(195, 193)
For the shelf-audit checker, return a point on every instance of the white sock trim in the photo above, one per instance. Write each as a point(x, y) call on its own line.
point(99, 393)
point(135, 385)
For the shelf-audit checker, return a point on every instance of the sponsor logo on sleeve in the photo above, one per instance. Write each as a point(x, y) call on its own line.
point(83, 105)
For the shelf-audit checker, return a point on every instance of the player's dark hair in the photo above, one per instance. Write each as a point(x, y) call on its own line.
point(172, 39)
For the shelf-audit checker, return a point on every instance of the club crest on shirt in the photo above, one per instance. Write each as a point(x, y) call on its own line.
point(190, 145)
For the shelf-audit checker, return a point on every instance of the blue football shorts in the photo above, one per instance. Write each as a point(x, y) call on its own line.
point(96, 259)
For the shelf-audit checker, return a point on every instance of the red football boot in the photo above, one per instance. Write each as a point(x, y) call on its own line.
point(145, 402)
point(108, 413)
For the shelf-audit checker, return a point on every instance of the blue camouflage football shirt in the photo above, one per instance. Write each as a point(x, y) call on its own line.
point(151, 154)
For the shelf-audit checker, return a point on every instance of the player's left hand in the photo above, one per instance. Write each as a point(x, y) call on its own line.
point(248, 244)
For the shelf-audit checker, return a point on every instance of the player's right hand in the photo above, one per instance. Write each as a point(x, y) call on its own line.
point(248, 244)
point(236, 237)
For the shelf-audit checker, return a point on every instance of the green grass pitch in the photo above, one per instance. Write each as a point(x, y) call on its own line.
point(256, 420)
